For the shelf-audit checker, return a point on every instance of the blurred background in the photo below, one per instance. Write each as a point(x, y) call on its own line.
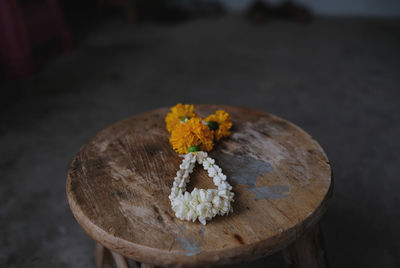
point(71, 68)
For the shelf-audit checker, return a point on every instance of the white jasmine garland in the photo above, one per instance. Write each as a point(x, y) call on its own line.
point(200, 204)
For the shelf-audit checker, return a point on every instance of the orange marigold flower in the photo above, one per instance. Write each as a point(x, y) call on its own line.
point(179, 113)
point(220, 124)
point(191, 133)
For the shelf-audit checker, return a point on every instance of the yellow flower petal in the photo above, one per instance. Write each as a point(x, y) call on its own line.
point(224, 124)
point(179, 112)
point(191, 133)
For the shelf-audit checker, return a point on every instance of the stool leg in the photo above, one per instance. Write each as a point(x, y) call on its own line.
point(104, 256)
point(307, 251)
point(120, 261)
point(144, 265)
point(99, 251)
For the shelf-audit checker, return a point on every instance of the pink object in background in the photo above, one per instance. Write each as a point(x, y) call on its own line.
point(25, 25)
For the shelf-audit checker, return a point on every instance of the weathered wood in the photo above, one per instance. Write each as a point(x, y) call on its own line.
point(106, 258)
point(99, 255)
point(119, 182)
point(143, 265)
point(308, 251)
point(132, 263)
point(119, 260)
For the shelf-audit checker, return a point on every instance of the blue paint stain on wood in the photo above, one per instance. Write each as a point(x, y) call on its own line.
point(190, 245)
point(245, 170)
point(201, 232)
point(270, 192)
point(242, 169)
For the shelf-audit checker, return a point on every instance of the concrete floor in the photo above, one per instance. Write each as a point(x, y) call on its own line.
point(337, 79)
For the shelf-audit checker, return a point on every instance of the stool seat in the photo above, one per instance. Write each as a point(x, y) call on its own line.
point(118, 186)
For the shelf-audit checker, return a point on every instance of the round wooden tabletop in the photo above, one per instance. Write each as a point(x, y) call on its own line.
point(119, 182)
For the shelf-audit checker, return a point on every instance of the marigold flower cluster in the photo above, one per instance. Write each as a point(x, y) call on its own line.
point(190, 133)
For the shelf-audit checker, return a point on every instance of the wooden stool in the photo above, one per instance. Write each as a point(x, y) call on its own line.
point(119, 182)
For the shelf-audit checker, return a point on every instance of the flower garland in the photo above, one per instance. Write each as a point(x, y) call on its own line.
point(194, 137)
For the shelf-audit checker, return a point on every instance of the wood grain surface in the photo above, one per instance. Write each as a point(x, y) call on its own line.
point(119, 182)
